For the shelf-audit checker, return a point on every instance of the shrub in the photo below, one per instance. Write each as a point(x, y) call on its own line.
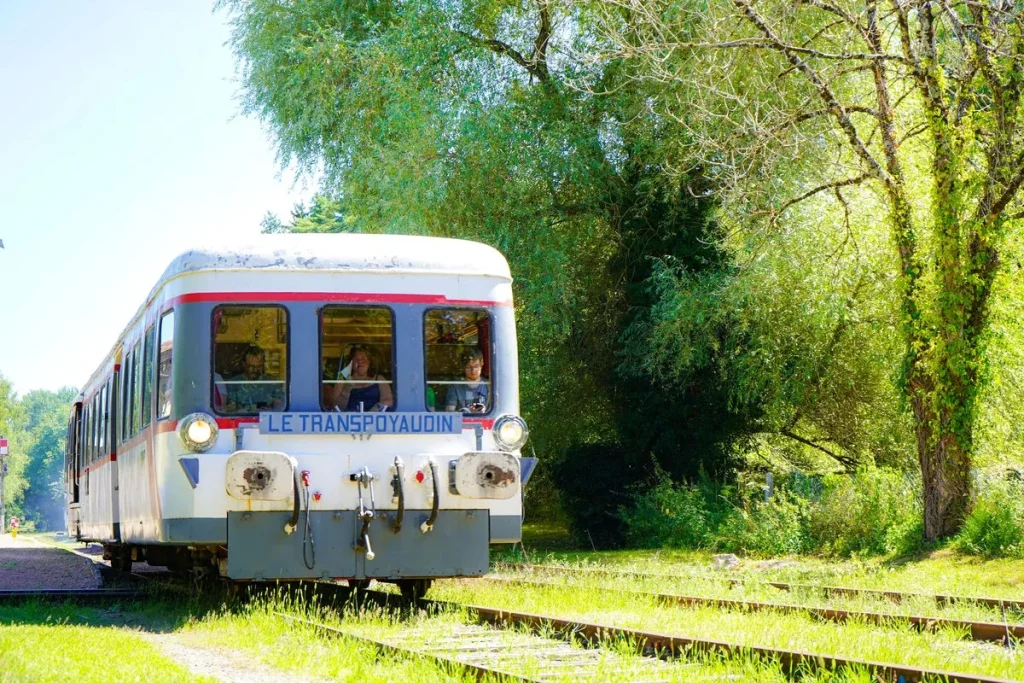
point(776, 527)
point(875, 510)
point(666, 515)
point(996, 524)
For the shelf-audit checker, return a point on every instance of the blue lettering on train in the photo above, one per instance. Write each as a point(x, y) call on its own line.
point(360, 423)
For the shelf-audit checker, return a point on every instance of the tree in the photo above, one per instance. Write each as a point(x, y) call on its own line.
point(47, 417)
point(906, 112)
point(465, 119)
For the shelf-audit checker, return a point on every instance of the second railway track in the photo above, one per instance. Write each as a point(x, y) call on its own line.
point(977, 630)
point(828, 591)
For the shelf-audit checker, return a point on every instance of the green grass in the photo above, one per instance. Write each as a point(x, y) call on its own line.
point(43, 643)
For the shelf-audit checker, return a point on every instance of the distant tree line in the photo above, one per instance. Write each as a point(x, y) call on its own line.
point(35, 426)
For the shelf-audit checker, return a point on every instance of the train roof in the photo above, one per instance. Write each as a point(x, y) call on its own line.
point(334, 252)
point(346, 252)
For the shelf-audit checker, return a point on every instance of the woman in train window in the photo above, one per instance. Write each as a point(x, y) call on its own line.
point(360, 388)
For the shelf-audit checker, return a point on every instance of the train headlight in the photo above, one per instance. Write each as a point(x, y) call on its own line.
point(198, 431)
point(510, 432)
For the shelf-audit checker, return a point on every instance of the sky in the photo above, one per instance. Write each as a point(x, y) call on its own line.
point(122, 144)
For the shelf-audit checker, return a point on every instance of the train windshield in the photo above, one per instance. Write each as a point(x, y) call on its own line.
point(357, 359)
point(250, 359)
point(458, 343)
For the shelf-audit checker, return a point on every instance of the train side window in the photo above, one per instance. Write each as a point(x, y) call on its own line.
point(250, 359)
point(101, 431)
point(88, 433)
point(164, 386)
point(136, 387)
point(458, 360)
point(122, 422)
point(147, 377)
point(357, 358)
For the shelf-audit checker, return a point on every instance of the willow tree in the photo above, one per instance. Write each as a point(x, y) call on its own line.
point(905, 112)
point(467, 118)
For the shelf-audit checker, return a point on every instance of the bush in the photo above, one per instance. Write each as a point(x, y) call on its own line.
point(666, 516)
point(776, 527)
point(995, 526)
point(875, 510)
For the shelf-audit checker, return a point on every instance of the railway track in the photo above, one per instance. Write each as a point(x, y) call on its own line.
point(511, 656)
point(978, 630)
point(828, 591)
point(659, 645)
point(69, 595)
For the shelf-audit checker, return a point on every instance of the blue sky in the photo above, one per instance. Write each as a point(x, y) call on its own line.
point(121, 144)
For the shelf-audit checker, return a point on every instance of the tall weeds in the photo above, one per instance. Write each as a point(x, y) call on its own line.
point(872, 511)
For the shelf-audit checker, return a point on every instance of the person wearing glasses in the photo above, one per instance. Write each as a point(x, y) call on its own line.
point(472, 395)
point(254, 390)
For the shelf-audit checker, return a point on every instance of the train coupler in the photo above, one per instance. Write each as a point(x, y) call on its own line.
point(365, 478)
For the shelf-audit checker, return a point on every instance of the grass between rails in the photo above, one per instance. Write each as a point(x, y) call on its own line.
point(718, 586)
point(896, 643)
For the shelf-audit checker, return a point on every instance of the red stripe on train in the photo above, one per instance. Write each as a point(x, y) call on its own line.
point(346, 297)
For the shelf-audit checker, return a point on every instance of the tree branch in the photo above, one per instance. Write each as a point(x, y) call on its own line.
point(826, 94)
point(502, 48)
point(846, 182)
point(843, 460)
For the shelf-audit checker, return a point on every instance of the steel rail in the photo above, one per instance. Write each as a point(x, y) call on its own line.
point(978, 630)
point(68, 594)
point(895, 596)
point(792, 661)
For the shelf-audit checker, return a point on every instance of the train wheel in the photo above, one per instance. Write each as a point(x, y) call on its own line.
point(121, 563)
point(414, 589)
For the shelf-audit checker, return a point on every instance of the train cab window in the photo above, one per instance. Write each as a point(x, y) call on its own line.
point(166, 348)
point(357, 358)
point(250, 359)
point(458, 359)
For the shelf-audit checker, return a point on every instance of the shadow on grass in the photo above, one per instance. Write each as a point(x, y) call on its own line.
point(161, 608)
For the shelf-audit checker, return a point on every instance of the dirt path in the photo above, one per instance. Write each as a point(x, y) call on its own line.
point(224, 665)
point(29, 564)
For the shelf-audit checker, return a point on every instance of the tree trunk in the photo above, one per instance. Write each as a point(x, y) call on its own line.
point(945, 472)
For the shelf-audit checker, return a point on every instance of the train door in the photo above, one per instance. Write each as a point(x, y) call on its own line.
point(73, 470)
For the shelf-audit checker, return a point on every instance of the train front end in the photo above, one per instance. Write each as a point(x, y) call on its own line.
point(343, 424)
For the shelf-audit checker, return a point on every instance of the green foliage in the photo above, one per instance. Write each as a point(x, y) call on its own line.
point(47, 415)
point(776, 527)
point(873, 511)
point(667, 516)
point(995, 527)
point(473, 120)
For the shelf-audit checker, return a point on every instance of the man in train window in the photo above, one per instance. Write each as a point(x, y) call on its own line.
point(254, 390)
point(472, 394)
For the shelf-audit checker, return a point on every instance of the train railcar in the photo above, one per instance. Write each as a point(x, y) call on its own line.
point(311, 407)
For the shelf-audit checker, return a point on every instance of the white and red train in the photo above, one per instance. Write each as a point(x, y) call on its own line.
point(314, 406)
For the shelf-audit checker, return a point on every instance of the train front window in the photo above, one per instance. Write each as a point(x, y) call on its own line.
point(356, 359)
point(458, 343)
point(250, 359)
